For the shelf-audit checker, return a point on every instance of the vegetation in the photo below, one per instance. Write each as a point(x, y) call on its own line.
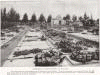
point(33, 19)
point(11, 16)
point(81, 57)
point(8, 19)
point(5, 25)
point(84, 56)
point(54, 33)
point(26, 52)
point(67, 46)
point(88, 43)
point(74, 18)
point(49, 58)
point(25, 18)
point(43, 38)
point(42, 18)
point(62, 34)
point(67, 17)
point(49, 18)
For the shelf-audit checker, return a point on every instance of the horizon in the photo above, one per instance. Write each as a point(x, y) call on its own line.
point(53, 7)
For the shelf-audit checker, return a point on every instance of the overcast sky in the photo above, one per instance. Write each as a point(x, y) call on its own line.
point(54, 7)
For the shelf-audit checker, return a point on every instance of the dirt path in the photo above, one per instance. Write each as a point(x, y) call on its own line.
point(5, 52)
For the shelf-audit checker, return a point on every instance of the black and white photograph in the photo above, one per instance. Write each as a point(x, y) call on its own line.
point(50, 33)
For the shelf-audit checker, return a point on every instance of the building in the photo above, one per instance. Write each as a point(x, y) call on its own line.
point(76, 26)
point(57, 21)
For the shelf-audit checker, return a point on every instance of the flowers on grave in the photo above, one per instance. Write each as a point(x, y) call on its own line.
point(49, 58)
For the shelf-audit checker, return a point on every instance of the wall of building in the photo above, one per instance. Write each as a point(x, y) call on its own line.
point(56, 22)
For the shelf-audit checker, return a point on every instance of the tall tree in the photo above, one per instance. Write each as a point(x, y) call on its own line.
point(49, 18)
point(12, 15)
point(67, 17)
point(74, 18)
point(85, 16)
point(3, 14)
point(17, 17)
point(41, 18)
point(33, 19)
point(25, 18)
point(97, 21)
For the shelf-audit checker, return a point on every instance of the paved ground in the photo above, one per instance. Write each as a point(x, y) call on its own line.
point(5, 52)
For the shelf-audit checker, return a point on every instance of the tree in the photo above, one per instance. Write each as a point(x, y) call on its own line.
point(3, 14)
point(80, 18)
point(97, 21)
point(33, 19)
point(25, 18)
point(64, 18)
point(85, 16)
point(17, 17)
point(74, 18)
point(67, 17)
point(12, 15)
point(41, 18)
point(49, 18)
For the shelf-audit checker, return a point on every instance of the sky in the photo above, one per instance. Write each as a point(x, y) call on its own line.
point(54, 7)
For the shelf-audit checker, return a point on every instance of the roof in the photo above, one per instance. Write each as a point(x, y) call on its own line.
point(77, 23)
point(57, 18)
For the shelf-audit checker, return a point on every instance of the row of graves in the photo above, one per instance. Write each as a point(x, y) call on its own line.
point(77, 51)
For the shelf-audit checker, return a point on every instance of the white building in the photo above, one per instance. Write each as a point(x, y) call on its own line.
point(57, 21)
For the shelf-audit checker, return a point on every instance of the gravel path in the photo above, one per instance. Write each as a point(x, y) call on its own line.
point(6, 51)
point(27, 45)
